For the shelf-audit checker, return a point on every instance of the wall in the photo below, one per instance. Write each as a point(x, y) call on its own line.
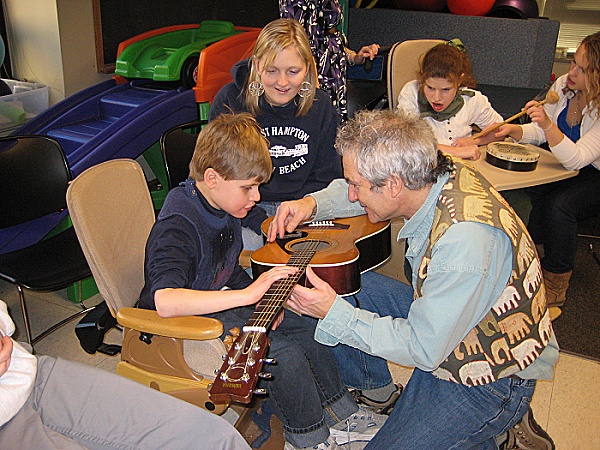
point(52, 42)
point(504, 52)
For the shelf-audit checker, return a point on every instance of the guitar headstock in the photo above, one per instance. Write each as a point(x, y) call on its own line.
point(239, 373)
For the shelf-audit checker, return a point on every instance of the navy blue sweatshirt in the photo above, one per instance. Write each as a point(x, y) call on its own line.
point(301, 147)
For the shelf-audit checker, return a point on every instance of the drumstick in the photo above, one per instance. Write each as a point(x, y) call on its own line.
point(551, 97)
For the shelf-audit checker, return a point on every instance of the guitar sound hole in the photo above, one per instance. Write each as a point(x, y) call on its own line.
point(309, 245)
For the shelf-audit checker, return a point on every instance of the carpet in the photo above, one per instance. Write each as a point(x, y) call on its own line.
point(577, 328)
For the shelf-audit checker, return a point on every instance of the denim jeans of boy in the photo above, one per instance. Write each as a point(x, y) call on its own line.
point(431, 413)
point(305, 391)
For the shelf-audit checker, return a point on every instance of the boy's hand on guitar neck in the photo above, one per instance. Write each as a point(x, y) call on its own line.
point(255, 291)
point(289, 215)
point(316, 301)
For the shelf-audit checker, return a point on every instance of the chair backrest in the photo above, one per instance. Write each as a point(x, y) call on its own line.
point(112, 213)
point(34, 176)
point(177, 146)
point(403, 65)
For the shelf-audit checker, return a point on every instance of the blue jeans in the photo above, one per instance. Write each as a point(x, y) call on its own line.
point(431, 413)
point(556, 209)
point(438, 414)
point(360, 370)
point(251, 240)
point(306, 391)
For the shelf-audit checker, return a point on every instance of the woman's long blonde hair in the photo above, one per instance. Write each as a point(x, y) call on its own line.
point(272, 40)
point(592, 73)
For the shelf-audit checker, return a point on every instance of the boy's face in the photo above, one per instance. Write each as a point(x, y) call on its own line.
point(235, 197)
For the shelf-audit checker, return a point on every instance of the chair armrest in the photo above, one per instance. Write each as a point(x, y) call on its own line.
point(188, 327)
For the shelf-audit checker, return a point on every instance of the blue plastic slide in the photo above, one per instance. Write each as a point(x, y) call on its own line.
point(103, 122)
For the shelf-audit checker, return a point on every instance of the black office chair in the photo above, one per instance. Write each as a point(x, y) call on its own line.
point(177, 146)
point(34, 176)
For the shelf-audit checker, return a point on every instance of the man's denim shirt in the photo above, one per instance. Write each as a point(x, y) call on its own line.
point(465, 278)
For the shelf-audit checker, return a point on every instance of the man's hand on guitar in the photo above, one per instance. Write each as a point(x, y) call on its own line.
point(257, 289)
point(315, 301)
point(289, 215)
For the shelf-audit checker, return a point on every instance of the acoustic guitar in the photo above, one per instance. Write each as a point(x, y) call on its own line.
point(338, 251)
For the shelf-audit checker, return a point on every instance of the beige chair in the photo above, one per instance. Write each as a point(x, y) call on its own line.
point(112, 214)
point(403, 65)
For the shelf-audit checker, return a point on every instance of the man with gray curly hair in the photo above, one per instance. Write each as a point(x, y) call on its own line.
point(474, 322)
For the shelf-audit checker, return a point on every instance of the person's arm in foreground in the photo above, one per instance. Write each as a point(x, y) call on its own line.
point(18, 369)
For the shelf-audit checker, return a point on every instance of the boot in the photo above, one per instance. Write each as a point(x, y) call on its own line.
point(556, 287)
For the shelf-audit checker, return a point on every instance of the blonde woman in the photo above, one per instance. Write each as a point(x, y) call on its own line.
point(571, 128)
point(278, 86)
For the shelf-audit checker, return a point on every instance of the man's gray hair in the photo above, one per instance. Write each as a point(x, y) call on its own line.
point(387, 143)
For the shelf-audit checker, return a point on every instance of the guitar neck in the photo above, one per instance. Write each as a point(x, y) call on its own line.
point(272, 302)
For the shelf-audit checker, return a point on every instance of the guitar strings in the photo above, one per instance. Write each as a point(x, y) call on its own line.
point(279, 292)
point(281, 289)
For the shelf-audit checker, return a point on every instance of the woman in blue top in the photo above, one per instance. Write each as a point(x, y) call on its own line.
point(571, 127)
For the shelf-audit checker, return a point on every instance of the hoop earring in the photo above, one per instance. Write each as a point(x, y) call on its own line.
point(256, 88)
point(305, 89)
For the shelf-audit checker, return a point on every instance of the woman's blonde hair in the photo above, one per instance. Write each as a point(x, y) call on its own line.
point(275, 37)
point(592, 73)
point(234, 146)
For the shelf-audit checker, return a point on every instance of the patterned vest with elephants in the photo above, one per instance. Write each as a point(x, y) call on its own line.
point(517, 328)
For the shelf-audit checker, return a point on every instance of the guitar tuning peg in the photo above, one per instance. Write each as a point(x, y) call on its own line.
point(265, 375)
point(270, 361)
point(260, 391)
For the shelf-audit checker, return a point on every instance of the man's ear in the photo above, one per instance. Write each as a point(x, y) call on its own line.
point(395, 185)
point(211, 177)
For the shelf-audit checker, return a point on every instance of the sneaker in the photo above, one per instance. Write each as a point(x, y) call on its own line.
point(329, 444)
point(384, 407)
point(360, 426)
point(528, 435)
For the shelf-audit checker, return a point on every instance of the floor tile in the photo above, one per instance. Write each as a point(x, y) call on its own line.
point(575, 407)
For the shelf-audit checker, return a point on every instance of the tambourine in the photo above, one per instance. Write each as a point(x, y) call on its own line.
point(511, 156)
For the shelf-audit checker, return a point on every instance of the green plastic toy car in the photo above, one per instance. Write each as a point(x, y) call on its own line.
point(170, 53)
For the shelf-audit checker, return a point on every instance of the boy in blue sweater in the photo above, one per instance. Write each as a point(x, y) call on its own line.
point(192, 268)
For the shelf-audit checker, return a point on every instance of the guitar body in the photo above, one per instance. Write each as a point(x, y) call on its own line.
point(344, 252)
point(338, 251)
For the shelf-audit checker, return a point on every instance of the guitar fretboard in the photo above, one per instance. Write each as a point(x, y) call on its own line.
point(273, 300)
